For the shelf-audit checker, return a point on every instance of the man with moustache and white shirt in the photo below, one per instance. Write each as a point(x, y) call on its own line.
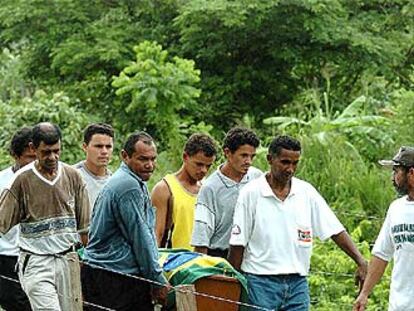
point(275, 221)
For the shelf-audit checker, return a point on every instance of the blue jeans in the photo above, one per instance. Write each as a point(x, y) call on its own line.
point(278, 292)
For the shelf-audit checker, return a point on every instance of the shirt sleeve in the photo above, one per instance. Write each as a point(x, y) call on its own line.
point(324, 222)
point(204, 217)
point(83, 208)
point(384, 246)
point(132, 214)
point(10, 211)
point(242, 228)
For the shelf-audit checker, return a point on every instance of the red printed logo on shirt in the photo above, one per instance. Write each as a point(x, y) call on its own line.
point(304, 236)
point(235, 230)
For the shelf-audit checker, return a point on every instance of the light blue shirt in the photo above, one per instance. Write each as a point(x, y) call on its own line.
point(121, 233)
point(214, 209)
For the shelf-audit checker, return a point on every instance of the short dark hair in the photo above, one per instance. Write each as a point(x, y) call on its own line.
point(200, 142)
point(132, 139)
point(20, 141)
point(283, 142)
point(239, 136)
point(406, 169)
point(97, 128)
point(47, 132)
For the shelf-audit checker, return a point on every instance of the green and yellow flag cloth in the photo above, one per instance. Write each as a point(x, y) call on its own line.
point(184, 267)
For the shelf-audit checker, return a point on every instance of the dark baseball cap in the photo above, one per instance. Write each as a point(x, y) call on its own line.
point(404, 157)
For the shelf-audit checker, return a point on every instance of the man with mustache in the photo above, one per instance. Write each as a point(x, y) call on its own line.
point(217, 197)
point(276, 219)
point(122, 238)
point(175, 195)
point(98, 144)
point(49, 200)
point(396, 239)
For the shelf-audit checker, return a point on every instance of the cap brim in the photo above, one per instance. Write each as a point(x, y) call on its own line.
point(387, 163)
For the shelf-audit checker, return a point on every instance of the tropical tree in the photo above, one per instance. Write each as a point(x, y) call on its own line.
point(157, 93)
point(256, 57)
point(355, 124)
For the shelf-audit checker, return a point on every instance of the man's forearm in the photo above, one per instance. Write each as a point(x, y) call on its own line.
point(344, 241)
point(376, 269)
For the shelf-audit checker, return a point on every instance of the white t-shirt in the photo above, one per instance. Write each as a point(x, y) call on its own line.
point(94, 184)
point(277, 235)
point(9, 243)
point(396, 241)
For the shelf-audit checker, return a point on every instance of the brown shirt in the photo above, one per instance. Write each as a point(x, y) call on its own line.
point(50, 213)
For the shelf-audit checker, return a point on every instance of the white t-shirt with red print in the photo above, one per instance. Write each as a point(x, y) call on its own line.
point(278, 235)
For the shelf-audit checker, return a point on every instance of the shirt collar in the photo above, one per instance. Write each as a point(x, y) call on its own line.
point(108, 173)
point(267, 191)
point(228, 182)
point(126, 169)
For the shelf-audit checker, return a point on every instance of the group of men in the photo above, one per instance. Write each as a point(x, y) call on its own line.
point(45, 210)
point(263, 223)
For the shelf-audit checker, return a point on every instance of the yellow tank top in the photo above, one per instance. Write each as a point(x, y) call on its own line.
point(182, 213)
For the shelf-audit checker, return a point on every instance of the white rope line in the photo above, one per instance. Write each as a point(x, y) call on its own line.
point(90, 304)
point(384, 277)
point(184, 291)
point(312, 301)
point(332, 273)
point(9, 279)
point(158, 284)
point(61, 295)
point(181, 290)
point(358, 215)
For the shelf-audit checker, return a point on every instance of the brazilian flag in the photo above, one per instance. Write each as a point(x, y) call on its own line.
point(181, 266)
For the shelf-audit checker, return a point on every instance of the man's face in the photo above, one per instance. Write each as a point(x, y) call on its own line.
point(48, 155)
point(28, 155)
point(283, 166)
point(143, 161)
point(400, 179)
point(197, 165)
point(99, 150)
point(241, 159)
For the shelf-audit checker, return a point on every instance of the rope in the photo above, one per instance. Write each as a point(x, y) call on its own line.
point(176, 289)
point(181, 290)
point(61, 295)
point(359, 215)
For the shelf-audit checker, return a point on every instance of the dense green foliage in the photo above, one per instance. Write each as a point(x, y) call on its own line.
point(337, 74)
point(157, 92)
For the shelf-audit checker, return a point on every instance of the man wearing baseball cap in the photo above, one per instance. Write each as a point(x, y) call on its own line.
point(396, 239)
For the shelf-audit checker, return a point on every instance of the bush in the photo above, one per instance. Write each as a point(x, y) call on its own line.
point(40, 107)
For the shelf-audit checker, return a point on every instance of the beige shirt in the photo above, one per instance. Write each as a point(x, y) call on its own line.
point(50, 213)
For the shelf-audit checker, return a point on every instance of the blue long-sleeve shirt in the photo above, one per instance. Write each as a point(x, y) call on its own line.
point(121, 233)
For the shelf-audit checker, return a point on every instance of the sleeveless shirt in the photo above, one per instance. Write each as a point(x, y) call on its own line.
point(182, 213)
